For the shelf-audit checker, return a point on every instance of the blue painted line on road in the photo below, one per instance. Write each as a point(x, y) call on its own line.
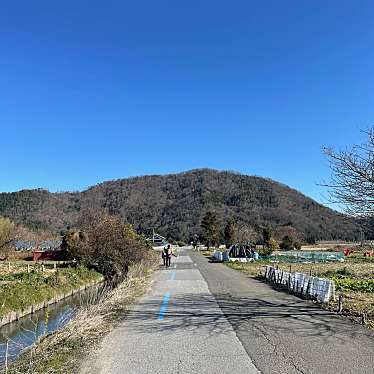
point(172, 276)
point(164, 306)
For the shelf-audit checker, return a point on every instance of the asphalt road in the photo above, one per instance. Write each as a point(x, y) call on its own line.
point(201, 317)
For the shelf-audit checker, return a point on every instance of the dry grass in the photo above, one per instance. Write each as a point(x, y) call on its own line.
point(14, 268)
point(207, 252)
point(20, 255)
point(355, 303)
point(356, 270)
point(252, 269)
point(62, 351)
point(330, 245)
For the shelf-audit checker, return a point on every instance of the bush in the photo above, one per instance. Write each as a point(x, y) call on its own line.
point(265, 251)
point(287, 244)
point(106, 244)
point(297, 245)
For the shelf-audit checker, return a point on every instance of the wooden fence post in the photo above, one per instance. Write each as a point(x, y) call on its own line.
point(340, 303)
point(363, 318)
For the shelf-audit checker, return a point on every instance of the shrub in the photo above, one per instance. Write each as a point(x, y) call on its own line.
point(297, 245)
point(287, 244)
point(265, 251)
point(106, 244)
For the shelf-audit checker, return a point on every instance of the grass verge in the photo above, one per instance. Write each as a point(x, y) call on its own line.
point(20, 290)
point(63, 351)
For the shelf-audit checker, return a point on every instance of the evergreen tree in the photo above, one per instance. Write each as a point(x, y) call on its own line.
point(267, 234)
point(270, 244)
point(229, 234)
point(210, 226)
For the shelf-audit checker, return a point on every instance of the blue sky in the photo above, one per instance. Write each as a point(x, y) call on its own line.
point(91, 91)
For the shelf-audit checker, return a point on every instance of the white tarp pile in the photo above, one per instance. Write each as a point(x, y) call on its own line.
point(218, 255)
point(320, 288)
point(221, 256)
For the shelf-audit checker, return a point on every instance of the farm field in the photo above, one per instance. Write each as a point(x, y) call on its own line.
point(354, 279)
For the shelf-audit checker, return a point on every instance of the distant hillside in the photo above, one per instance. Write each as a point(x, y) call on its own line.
point(174, 204)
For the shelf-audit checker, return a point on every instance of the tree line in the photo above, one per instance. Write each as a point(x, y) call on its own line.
point(213, 234)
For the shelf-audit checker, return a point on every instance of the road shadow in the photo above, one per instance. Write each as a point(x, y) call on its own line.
point(196, 312)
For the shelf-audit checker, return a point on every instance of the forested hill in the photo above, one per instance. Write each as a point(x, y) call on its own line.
point(174, 204)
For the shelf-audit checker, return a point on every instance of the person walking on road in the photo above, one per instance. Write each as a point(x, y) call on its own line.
point(166, 255)
point(163, 256)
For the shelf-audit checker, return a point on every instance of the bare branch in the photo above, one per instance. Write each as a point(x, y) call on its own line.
point(352, 177)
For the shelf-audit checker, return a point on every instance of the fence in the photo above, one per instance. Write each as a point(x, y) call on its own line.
point(13, 267)
point(319, 288)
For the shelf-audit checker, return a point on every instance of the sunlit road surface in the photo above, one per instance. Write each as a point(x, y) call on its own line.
point(177, 328)
point(201, 317)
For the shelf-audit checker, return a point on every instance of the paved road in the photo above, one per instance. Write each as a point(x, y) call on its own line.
point(206, 318)
point(284, 334)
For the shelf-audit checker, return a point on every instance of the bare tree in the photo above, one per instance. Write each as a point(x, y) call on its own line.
point(281, 231)
point(352, 181)
point(8, 234)
point(245, 234)
point(105, 243)
point(228, 234)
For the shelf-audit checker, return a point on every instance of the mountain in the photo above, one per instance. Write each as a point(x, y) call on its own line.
point(174, 204)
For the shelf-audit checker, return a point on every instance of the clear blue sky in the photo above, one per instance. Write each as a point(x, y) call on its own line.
point(91, 91)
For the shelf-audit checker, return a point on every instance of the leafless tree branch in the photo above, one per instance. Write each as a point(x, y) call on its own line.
point(352, 177)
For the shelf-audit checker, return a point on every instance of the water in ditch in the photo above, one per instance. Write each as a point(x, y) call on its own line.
point(20, 335)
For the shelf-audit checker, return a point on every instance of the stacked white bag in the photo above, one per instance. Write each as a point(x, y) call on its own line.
point(321, 288)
